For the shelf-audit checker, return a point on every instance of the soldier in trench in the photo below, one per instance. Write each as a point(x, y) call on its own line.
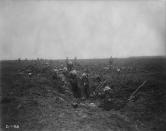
point(85, 85)
point(73, 79)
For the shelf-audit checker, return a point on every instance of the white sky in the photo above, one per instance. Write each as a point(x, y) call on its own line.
point(86, 29)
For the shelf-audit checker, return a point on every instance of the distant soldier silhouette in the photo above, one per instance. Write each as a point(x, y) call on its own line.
point(69, 64)
point(75, 61)
point(111, 62)
point(19, 59)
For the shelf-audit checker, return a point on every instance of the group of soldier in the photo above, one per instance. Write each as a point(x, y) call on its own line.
point(79, 83)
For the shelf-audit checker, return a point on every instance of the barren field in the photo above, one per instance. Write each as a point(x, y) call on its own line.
point(32, 99)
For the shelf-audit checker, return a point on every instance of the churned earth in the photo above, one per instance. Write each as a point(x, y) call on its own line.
point(33, 100)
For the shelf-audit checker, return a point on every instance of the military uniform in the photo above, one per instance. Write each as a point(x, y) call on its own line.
point(73, 79)
point(85, 83)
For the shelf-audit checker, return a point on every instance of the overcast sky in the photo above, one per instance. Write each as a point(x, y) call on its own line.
point(85, 29)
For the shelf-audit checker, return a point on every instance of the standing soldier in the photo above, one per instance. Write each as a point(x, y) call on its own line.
point(69, 64)
point(73, 79)
point(110, 62)
point(75, 61)
point(19, 59)
point(85, 83)
point(55, 74)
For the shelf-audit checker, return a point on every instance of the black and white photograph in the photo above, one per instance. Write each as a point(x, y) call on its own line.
point(83, 65)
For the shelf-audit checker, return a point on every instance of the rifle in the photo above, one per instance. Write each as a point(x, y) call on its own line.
point(135, 92)
point(100, 85)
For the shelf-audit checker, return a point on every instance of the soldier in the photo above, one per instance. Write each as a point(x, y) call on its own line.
point(55, 73)
point(107, 93)
point(107, 90)
point(85, 83)
point(69, 64)
point(75, 61)
point(19, 59)
point(110, 62)
point(73, 79)
point(65, 72)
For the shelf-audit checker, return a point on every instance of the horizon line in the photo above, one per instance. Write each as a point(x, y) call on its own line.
point(82, 58)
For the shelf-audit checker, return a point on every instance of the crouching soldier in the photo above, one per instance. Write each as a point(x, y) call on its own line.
point(107, 91)
point(73, 79)
point(107, 102)
point(85, 84)
point(107, 94)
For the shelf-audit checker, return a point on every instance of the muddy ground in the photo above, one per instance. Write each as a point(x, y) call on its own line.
point(32, 99)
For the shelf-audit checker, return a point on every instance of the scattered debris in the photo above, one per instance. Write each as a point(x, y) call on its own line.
point(30, 74)
point(106, 68)
point(74, 105)
point(19, 106)
point(92, 105)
